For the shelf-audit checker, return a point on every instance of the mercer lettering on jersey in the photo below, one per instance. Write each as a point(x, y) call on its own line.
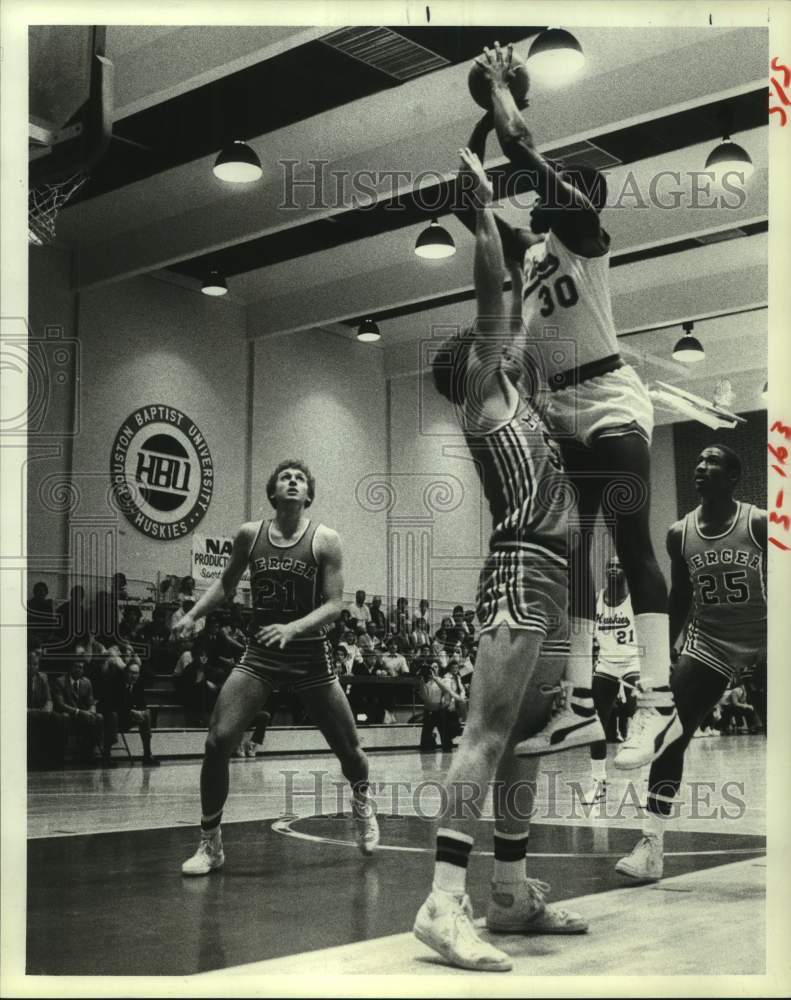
point(724, 557)
point(285, 564)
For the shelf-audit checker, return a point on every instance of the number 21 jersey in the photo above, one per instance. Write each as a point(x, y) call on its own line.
point(284, 579)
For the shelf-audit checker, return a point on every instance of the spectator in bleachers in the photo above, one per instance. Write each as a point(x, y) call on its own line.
point(455, 703)
point(105, 623)
point(340, 627)
point(40, 609)
point(351, 651)
point(467, 667)
point(338, 663)
point(424, 612)
point(233, 628)
point(363, 699)
point(439, 653)
point(378, 617)
point(367, 637)
point(419, 636)
point(186, 590)
point(131, 710)
point(73, 616)
point(446, 635)
point(469, 621)
point(359, 609)
point(221, 649)
point(196, 693)
point(401, 607)
point(73, 697)
point(434, 697)
point(46, 731)
point(392, 663)
point(131, 625)
point(422, 658)
point(195, 626)
point(401, 637)
point(157, 658)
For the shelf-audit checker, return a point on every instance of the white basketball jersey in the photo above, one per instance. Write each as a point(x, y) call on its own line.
point(566, 306)
point(615, 631)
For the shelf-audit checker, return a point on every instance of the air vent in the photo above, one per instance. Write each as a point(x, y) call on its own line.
point(583, 153)
point(721, 237)
point(386, 51)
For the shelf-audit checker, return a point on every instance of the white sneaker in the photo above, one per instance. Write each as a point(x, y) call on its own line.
point(367, 827)
point(596, 793)
point(565, 730)
point(521, 908)
point(444, 923)
point(645, 863)
point(208, 856)
point(650, 732)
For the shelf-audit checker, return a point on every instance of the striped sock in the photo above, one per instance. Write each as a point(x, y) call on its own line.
point(209, 824)
point(581, 702)
point(451, 859)
point(510, 852)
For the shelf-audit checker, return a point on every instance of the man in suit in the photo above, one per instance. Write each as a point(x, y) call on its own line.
point(46, 732)
point(73, 697)
point(131, 709)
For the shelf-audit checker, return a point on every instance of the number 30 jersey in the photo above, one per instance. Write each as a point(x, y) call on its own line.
point(566, 306)
point(728, 574)
point(284, 579)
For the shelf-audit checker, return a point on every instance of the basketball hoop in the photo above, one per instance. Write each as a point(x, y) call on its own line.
point(44, 203)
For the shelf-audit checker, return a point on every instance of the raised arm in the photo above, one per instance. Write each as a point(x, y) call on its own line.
point(680, 599)
point(224, 588)
point(515, 241)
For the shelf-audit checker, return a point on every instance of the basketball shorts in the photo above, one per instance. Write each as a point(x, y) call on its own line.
point(610, 405)
point(618, 670)
point(725, 649)
point(304, 663)
point(525, 586)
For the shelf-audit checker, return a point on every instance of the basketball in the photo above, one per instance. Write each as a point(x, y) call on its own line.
point(519, 84)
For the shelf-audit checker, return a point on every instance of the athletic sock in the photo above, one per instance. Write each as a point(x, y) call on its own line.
point(654, 826)
point(451, 860)
point(210, 825)
point(579, 669)
point(510, 853)
point(652, 631)
point(599, 769)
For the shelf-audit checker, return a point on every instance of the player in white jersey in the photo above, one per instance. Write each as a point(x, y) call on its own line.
point(718, 588)
point(599, 411)
point(617, 665)
point(522, 611)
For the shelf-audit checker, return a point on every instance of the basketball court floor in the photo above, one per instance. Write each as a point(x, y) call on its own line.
point(106, 897)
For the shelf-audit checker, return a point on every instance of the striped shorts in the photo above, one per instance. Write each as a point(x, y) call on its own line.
point(304, 663)
point(728, 652)
point(525, 586)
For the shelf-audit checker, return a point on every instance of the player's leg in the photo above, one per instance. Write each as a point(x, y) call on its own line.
point(697, 688)
point(627, 462)
point(329, 708)
point(503, 668)
point(605, 691)
point(518, 904)
point(241, 697)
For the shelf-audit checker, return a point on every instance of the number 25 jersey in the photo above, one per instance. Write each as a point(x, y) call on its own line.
point(728, 574)
point(566, 306)
point(284, 579)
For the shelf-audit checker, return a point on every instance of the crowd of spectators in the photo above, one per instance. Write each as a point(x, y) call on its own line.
point(90, 664)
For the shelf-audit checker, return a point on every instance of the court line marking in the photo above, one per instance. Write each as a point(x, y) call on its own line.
point(389, 943)
point(283, 827)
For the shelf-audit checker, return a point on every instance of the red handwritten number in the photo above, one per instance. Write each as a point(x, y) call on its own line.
point(779, 91)
point(781, 429)
point(779, 500)
point(783, 519)
point(781, 453)
point(780, 545)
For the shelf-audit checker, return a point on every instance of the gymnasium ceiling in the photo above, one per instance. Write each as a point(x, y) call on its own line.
point(648, 100)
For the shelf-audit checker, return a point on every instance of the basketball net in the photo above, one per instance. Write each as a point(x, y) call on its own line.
point(45, 202)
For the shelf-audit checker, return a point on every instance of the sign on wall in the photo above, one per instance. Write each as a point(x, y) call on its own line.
point(210, 556)
point(162, 472)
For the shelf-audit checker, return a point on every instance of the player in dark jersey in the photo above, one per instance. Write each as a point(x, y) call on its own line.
point(599, 411)
point(296, 577)
point(718, 588)
point(522, 610)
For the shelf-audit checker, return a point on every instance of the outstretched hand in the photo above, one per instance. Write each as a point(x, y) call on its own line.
point(496, 64)
point(478, 183)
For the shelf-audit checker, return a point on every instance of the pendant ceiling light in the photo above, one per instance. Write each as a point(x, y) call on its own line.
point(688, 349)
point(214, 285)
point(238, 164)
point(729, 158)
point(435, 242)
point(368, 332)
point(555, 57)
